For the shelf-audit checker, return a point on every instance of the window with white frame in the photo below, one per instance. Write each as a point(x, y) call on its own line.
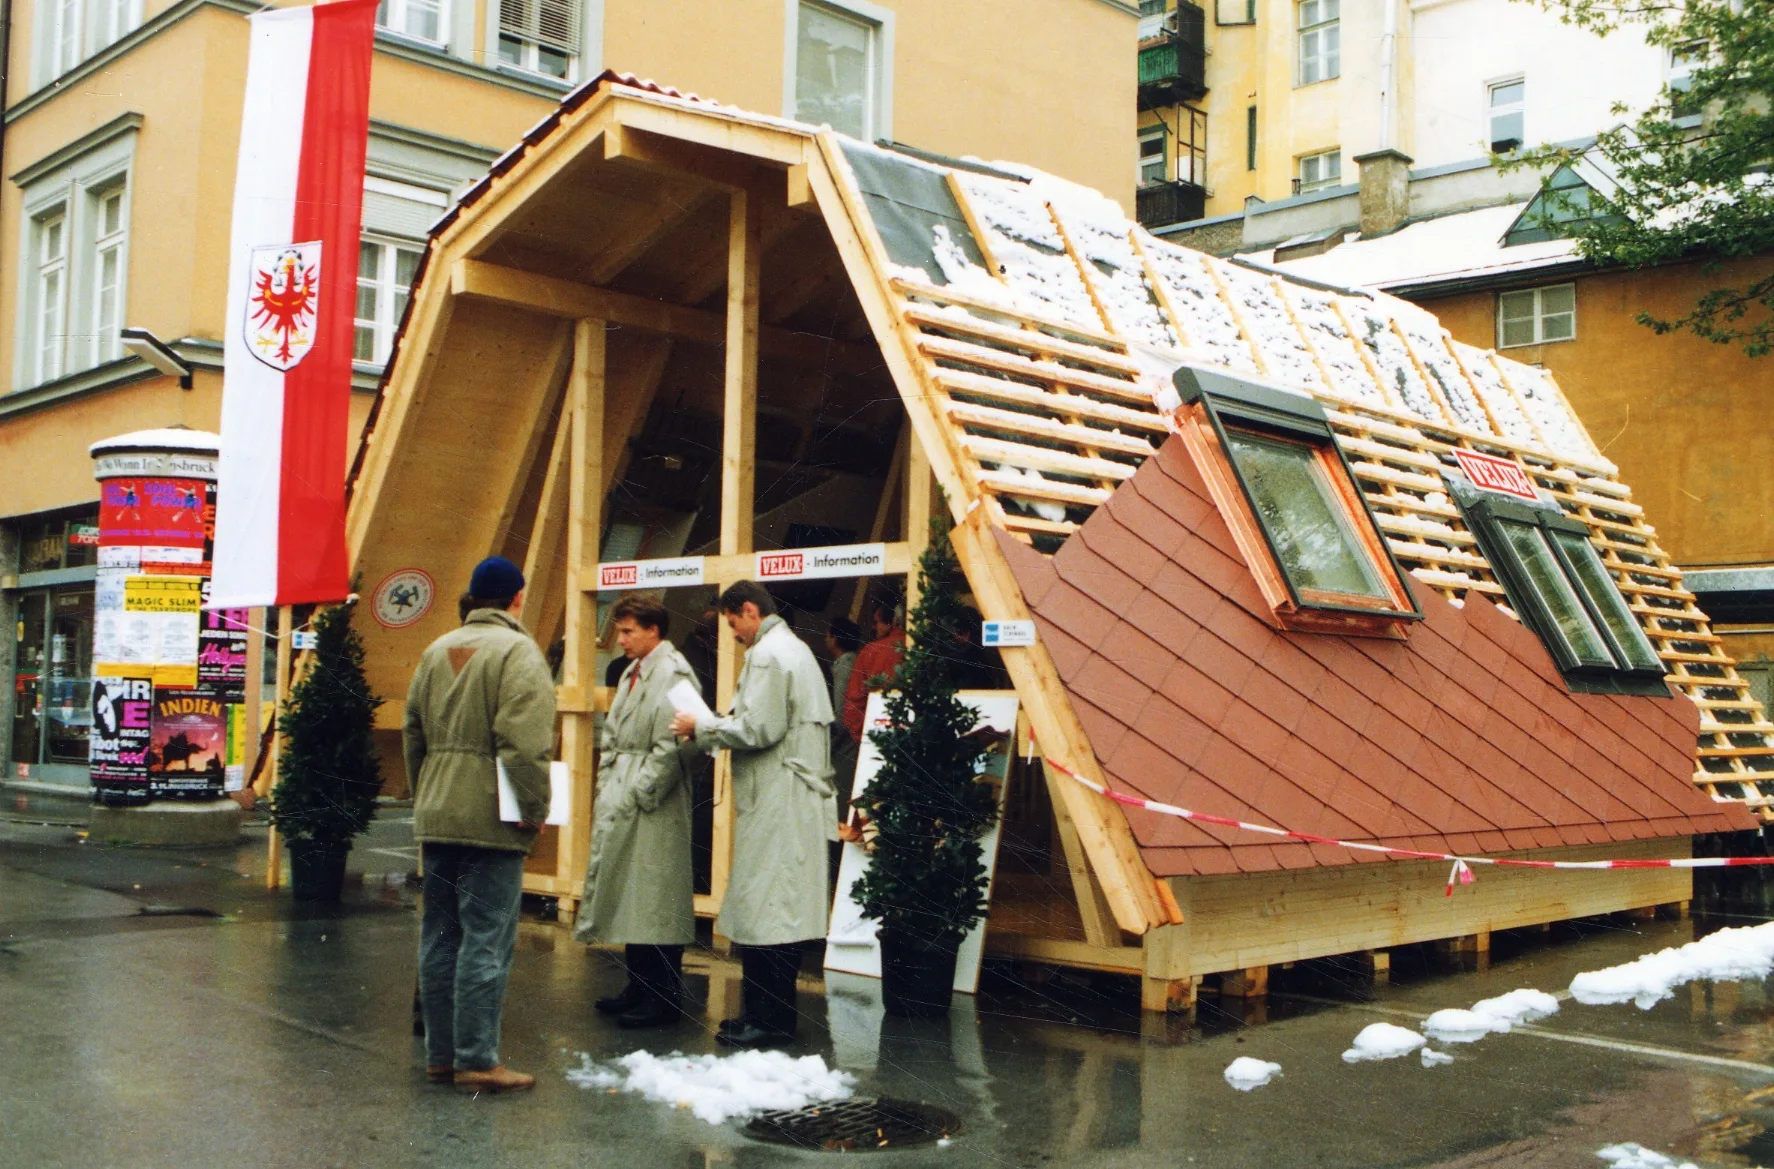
point(1320, 41)
point(73, 30)
point(421, 19)
point(1683, 61)
point(837, 70)
point(539, 36)
point(1534, 316)
point(110, 235)
point(49, 298)
point(1153, 156)
point(1317, 171)
point(1506, 115)
point(384, 275)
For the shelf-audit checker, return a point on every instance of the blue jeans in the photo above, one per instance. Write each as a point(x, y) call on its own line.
point(466, 938)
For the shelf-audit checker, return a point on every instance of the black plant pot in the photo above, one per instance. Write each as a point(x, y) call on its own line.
point(917, 975)
point(317, 870)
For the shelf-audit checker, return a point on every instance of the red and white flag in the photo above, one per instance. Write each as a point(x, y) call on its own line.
point(292, 291)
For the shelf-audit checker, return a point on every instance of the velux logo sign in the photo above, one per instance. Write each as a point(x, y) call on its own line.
point(812, 563)
point(649, 574)
point(1504, 476)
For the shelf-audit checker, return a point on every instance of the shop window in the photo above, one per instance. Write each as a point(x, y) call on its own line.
point(1506, 114)
point(839, 66)
point(540, 36)
point(1557, 583)
point(1535, 316)
point(1281, 482)
point(1320, 41)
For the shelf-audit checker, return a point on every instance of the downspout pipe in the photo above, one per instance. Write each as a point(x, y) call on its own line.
point(1388, 74)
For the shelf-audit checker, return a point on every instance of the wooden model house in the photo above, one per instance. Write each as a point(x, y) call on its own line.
point(1264, 582)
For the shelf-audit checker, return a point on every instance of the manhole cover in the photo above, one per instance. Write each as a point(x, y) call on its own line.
point(856, 1125)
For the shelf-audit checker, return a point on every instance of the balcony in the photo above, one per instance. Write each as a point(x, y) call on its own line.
point(1173, 68)
point(1162, 204)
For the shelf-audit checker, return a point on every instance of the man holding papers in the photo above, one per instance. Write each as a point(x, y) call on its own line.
point(481, 702)
point(638, 884)
point(785, 810)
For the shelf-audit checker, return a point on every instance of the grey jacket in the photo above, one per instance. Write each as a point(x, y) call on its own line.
point(482, 693)
point(785, 810)
point(638, 884)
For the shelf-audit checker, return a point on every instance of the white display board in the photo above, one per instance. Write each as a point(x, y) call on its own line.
point(852, 946)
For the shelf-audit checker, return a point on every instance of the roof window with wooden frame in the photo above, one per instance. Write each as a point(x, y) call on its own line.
point(1281, 482)
point(1560, 588)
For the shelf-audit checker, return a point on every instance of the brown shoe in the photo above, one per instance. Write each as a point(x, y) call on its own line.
point(493, 1080)
point(440, 1073)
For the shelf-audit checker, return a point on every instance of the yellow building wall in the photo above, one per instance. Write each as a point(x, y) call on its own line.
point(1688, 422)
point(1045, 83)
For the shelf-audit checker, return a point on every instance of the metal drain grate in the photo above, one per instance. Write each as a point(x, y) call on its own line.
point(856, 1125)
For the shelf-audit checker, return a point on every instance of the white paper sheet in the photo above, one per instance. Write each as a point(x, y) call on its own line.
point(560, 795)
point(686, 698)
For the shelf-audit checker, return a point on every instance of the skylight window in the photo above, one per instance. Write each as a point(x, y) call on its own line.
point(1558, 584)
point(1281, 482)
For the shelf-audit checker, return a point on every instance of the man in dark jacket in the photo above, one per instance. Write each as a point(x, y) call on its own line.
point(481, 700)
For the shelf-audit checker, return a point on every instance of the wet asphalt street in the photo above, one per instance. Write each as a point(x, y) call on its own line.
point(159, 1008)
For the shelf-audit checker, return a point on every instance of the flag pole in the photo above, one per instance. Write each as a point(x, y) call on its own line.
point(285, 640)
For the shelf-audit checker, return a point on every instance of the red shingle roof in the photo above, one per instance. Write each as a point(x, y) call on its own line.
point(1463, 738)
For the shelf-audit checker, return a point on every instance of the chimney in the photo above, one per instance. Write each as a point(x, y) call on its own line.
point(1385, 190)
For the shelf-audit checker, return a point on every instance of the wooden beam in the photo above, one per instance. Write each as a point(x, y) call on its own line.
point(542, 557)
point(585, 501)
point(516, 472)
point(707, 278)
point(478, 280)
point(635, 238)
point(1102, 828)
point(739, 437)
point(674, 156)
point(883, 508)
point(917, 516)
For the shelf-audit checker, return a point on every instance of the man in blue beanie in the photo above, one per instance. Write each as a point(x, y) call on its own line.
point(481, 699)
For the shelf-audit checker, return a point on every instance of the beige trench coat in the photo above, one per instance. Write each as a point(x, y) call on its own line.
point(785, 809)
point(638, 883)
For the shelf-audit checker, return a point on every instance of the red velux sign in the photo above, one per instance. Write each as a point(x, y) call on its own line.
point(613, 576)
point(780, 564)
point(1504, 476)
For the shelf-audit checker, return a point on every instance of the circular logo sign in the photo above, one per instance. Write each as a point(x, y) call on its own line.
point(404, 597)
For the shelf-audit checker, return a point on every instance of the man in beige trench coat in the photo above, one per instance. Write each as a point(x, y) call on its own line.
point(785, 811)
point(638, 884)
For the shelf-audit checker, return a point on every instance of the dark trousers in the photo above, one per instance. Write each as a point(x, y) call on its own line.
point(767, 975)
point(466, 938)
point(656, 972)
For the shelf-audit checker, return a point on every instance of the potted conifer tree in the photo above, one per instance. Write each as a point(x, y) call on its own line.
point(926, 882)
point(328, 775)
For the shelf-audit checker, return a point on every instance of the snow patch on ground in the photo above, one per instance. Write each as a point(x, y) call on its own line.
point(718, 1088)
point(1493, 1015)
point(1383, 1041)
point(1245, 1073)
point(1633, 1156)
point(1435, 1058)
point(1730, 955)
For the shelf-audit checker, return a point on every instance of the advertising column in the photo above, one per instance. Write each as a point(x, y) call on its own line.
point(168, 678)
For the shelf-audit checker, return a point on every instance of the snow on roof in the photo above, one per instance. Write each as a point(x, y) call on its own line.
point(1465, 245)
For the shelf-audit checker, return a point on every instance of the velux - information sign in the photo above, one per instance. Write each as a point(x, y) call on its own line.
point(649, 574)
point(1503, 476)
point(811, 563)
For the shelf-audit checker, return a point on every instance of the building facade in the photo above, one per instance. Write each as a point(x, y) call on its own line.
point(121, 125)
point(1246, 101)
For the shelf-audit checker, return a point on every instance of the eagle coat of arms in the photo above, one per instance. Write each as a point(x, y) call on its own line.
point(283, 303)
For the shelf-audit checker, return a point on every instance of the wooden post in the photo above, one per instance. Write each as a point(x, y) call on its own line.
point(917, 514)
point(585, 504)
point(253, 726)
point(739, 436)
point(268, 780)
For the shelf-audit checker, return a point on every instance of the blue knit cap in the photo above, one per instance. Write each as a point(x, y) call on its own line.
point(496, 577)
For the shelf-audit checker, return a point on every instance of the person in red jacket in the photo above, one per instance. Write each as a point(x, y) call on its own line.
point(880, 656)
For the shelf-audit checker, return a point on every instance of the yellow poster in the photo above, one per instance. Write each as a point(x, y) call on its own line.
point(155, 636)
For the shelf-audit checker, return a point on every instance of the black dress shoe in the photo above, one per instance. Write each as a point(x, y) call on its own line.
point(749, 1035)
point(651, 1012)
point(618, 1004)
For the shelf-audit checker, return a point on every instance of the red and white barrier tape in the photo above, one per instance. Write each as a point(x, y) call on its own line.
point(1462, 870)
